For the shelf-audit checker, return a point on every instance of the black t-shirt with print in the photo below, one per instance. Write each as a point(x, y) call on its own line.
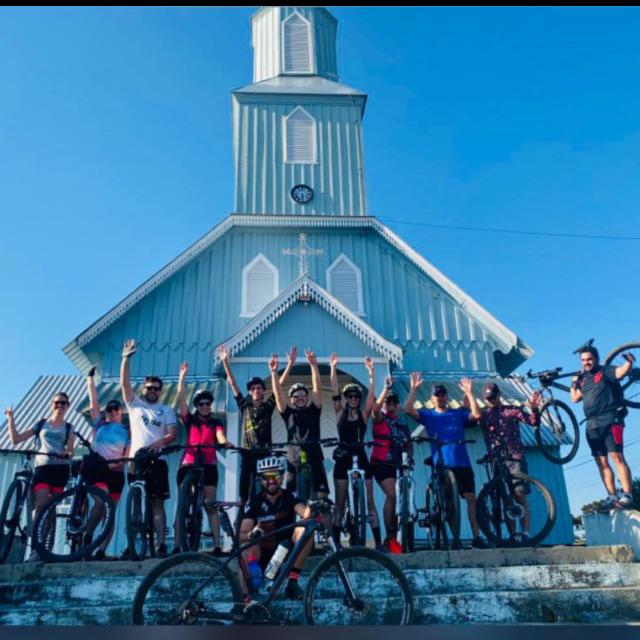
point(303, 425)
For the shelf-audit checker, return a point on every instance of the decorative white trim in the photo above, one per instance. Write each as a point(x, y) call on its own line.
point(506, 337)
point(312, 67)
point(321, 360)
point(285, 134)
point(244, 312)
point(342, 257)
point(306, 289)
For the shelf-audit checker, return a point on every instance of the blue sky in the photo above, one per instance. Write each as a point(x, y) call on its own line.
point(115, 155)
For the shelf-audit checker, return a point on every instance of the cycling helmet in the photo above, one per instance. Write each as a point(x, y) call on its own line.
point(270, 464)
point(298, 387)
point(202, 394)
point(352, 387)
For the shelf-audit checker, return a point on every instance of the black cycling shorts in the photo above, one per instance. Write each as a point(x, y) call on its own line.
point(96, 471)
point(210, 474)
point(605, 440)
point(343, 465)
point(382, 471)
point(52, 476)
point(156, 478)
point(465, 479)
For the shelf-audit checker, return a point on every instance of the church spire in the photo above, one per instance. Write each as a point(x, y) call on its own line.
point(294, 41)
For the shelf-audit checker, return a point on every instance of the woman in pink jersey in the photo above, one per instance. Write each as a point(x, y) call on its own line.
point(202, 429)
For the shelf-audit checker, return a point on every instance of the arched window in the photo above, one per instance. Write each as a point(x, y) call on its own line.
point(300, 137)
point(259, 285)
point(344, 282)
point(296, 44)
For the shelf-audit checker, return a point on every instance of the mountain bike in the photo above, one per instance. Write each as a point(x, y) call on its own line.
point(406, 511)
point(84, 514)
point(442, 499)
point(14, 517)
point(631, 383)
point(139, 506)
point(302, 469)
point(501, 516)
point(349, 586)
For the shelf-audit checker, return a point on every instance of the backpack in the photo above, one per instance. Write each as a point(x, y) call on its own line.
point(38, 428)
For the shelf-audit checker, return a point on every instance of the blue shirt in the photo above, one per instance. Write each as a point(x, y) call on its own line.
point(448, 425)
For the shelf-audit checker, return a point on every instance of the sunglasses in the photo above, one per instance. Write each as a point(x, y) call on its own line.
point(256, 388)
point(204, 403)
point(440, 395)
point(493, 396)
point(270, 476)
point(114, 409)
point(299, 397)
point(156, 389)
point(60, 403)
point(352, 396)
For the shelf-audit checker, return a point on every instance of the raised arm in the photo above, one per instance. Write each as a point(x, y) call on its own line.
point(94, 404)
point(316, 386)
point(278, 394)
point(183, 407)
point(371, 395)
point(128, 350)
point(14, 436)
point(625, 369)
point(467, 388)
point(338, 407)
point(291, 360)
point(224, 358)
point(388, 383)
point(416, 382)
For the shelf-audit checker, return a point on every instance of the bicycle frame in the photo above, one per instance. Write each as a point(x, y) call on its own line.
point(404, 471)
point(354, 476)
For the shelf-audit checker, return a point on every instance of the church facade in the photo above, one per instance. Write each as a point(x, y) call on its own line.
point(300, 261)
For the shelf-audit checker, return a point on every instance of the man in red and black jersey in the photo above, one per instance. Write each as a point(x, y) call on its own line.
point(602, 398)
point(272, 509)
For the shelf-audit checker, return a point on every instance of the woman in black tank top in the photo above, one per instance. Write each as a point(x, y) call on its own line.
point(352, 425)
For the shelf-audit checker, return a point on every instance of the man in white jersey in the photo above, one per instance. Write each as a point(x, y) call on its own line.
point(153, 427)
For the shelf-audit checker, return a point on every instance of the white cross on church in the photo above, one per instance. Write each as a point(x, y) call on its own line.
point(302, 252)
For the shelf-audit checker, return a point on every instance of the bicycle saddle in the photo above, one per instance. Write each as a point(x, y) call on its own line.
point(429, 461)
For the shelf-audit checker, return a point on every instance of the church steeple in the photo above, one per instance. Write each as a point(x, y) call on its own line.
point(293, 40)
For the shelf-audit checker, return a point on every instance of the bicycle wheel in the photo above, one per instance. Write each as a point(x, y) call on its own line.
point(63, 533)
point(357, 587)
point(10, 517)
point(137, 522)
point(502, 518)
point(405, 524)
point(560, 422)
point(450, 510)
point(630, 384)
point(359, 528)
point(431, 519)
point(189, 513)
point(190, 588)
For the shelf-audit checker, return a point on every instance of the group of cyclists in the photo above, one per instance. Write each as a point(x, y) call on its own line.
point(153, 426)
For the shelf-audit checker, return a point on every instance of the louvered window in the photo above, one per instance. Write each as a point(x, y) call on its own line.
point(259, 285)
point(300, 137)
point(344, 282)
point(296, 38)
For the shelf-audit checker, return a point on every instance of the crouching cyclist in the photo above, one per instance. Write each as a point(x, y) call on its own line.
point(273, 508)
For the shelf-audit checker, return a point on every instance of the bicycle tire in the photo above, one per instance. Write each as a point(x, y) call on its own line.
point(632, 380)
point(491, 524)
point(42, 534)
point(432, 526)
point(189, 513)
point(10, 518)
point(406, 521)
point(571, 427)
point(451, 513)
point(359, 529)
point(226, 590)
point(323, 606)
point(136, 523)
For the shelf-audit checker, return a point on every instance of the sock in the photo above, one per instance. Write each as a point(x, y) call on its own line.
point(294, 574)
point(376, 535)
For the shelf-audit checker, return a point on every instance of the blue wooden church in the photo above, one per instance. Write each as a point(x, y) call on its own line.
point(299, 261)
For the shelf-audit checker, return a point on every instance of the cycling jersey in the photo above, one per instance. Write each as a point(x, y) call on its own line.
point(602, 397)
point(390, 436)
point(256, 421)
point(201, 431)
point(111, 439)
point(447, 425)
point(270, 515)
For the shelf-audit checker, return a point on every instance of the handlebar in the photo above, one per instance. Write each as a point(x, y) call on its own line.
point(550, 374)
point(33, 452)
point(440, 443)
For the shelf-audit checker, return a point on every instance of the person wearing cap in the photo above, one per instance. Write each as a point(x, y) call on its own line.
point(391, 436)
point(447, 425)
point(202, 429)
point(500, 424)
point(111, 440)
point(256, 412)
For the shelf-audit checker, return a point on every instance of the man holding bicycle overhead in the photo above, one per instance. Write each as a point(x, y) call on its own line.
point(500, 426)
point(256, 414)
point(602, 396)
point(202, 429)
point(153, 427)
point(273, 509)
point(447, 425)
point(302, 420)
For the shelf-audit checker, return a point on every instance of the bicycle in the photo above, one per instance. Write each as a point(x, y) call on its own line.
point(631, 384)
point(406, 511)
point(139, 509)
point(498, 511)
point(442, 499)
point(302, 469)
point(85, 523)
point(12, 512)
point(349, 586)
point(557, 416)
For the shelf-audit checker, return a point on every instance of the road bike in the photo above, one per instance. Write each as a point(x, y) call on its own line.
point(501, 516)
point(349, 586)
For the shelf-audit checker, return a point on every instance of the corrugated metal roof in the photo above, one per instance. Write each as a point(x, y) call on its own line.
point(512, 394)
point(36, 403)
point(305, 85)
